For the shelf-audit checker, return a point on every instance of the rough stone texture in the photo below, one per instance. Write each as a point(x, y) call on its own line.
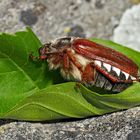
point(123, 125)
point(51, 19)
point(128, 31)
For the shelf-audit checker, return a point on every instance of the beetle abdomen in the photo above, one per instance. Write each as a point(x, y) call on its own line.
point(104, 83)
point(102, 80)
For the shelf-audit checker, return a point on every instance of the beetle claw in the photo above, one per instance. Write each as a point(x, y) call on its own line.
point(32, 57)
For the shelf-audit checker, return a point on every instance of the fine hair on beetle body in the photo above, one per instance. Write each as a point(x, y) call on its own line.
point(90, 63)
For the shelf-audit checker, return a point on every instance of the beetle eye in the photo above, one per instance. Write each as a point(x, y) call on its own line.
point(47, 45)
point(42, 50)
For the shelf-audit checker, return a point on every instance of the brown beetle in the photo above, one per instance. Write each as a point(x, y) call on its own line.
point(90, 63)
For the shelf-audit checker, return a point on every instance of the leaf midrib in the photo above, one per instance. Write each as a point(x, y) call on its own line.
point(89, 108)
point(43, 106)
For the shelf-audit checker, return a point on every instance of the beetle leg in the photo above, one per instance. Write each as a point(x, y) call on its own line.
point(66, 62)
point(111, 77)
point(105, 73)
point(74, 60)
point(88, 74)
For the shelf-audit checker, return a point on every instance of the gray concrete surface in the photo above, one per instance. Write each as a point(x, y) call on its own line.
point(50, 19)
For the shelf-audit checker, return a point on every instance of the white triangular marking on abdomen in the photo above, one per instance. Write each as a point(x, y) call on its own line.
point(116, 70)
point(98, 63)
point(126, 74)
point(107, 66)
point(133, 78)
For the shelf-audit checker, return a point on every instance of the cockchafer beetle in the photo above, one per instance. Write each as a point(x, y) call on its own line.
point(90, 63)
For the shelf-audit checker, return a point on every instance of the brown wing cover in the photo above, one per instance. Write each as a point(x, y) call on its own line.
point(95, 51)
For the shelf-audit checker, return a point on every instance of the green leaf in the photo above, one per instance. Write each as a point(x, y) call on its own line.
point(113, 102)
point(29, 91)
point(59, 101)
point(20, 77)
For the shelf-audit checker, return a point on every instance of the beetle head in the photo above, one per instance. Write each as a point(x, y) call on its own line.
point(55, 47)
point(43, 51)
